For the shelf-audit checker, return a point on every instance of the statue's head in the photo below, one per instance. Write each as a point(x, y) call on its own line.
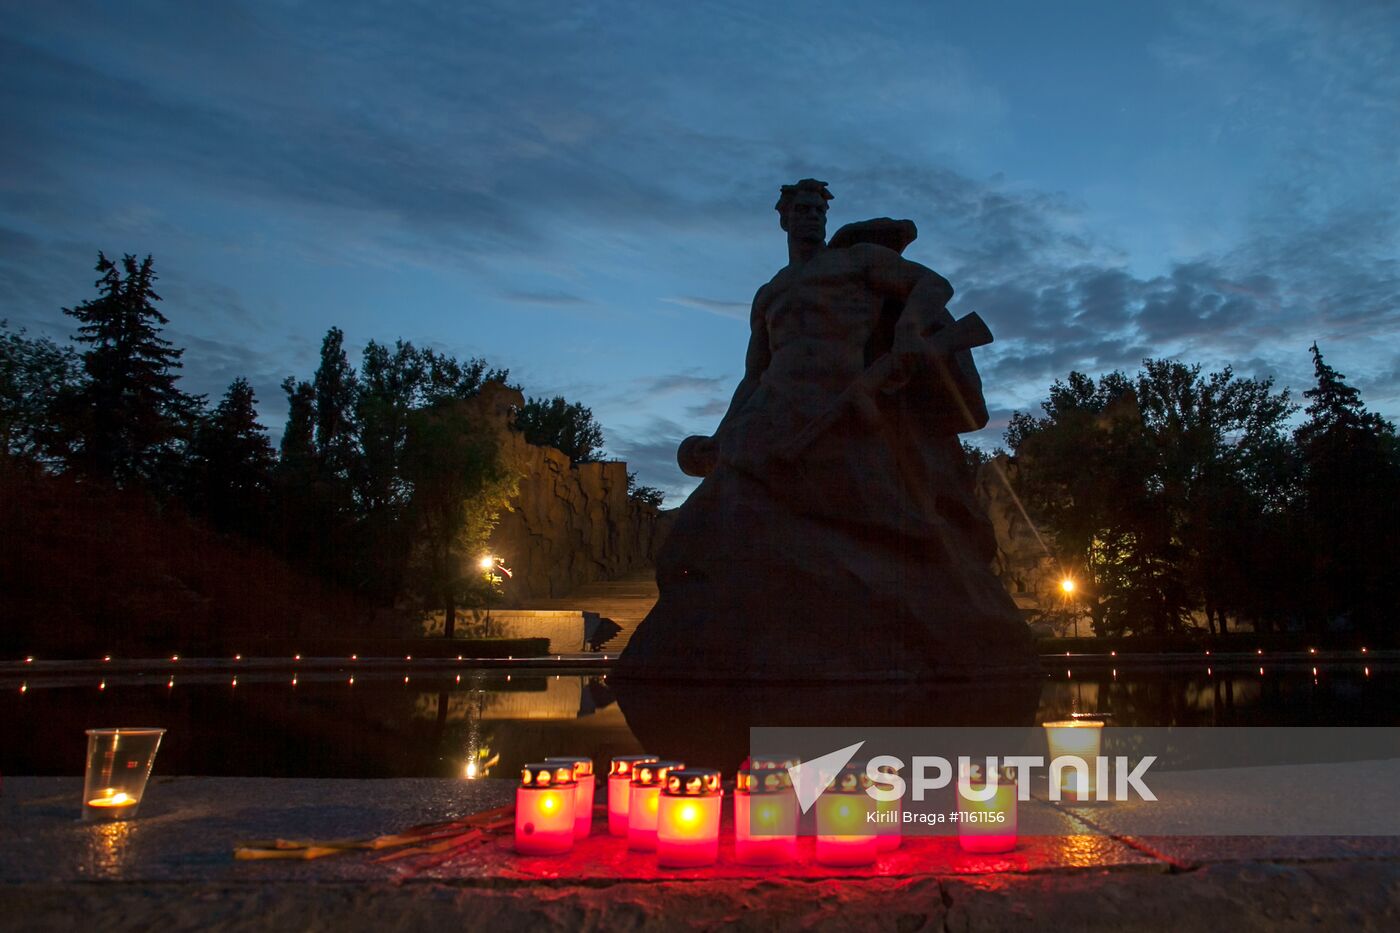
point(802, 209)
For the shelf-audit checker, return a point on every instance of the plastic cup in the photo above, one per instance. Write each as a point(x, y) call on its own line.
point(118, 766)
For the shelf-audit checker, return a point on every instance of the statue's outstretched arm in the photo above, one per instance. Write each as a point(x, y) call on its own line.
point(925, 294)
point(699, 454)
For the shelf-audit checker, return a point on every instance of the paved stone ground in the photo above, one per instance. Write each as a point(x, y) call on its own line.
point(172, 869)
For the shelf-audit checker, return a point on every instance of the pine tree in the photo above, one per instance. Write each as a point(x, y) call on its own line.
point(232, 463)
point(335, 386)
point(298, 450)
point(1350, 521)
point(128, 422)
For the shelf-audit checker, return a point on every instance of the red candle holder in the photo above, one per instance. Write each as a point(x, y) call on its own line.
point(845, 835)
point(644, 802)
point(583, 801)
point(544, 809)
point(620, 790)
point(687, 819)
point(765, 818)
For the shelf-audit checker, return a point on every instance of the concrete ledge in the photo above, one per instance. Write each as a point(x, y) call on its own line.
point(1248, 896)
point(172, 869)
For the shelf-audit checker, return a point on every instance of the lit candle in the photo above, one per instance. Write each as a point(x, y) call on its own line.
point(986, 826)
point(765, 818)
point(620, 789)
point(118, 766)
point(544, 809)
point(1074, 751)
point(583, 803)
point(644, 802)
point(844, 836)
point(687, 821)
point(113, 798)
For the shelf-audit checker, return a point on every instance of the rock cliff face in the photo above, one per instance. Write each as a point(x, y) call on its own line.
point(568, 525)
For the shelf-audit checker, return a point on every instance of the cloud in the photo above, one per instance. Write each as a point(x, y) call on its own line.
point(552, 299)
point(732, 309)
point(650, 451)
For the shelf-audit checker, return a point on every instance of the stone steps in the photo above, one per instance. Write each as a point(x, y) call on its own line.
point(626, 601)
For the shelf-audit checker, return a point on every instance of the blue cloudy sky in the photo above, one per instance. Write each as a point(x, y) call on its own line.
point(583, 192)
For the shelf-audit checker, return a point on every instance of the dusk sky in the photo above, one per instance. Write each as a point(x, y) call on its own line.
point(583, 192)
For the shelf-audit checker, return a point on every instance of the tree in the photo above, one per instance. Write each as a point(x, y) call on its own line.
point(335, 385)
point(568, 428)
point(298, 450)
point(127, 422)
point(35, 373)
point(445, 378)
point(647, 495)
point(1349, 517)
point(1153, 486)
point(232, 464)
point(460, 485)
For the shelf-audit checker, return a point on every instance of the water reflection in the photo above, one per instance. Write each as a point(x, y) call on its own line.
point(473, 724)
point(710, 725)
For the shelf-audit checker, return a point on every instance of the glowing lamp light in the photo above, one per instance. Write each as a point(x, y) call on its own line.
point(644, 802)
point(1067, 585)
point(544, 809)
point(844, 836)
point(765, 818)
point(583, 804)
point(620, 788)
point(987, 826)
point(687, 819)
point(487, 562)
point(1074, 744)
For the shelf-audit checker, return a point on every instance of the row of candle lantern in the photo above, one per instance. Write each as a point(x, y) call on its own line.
point(664, 807)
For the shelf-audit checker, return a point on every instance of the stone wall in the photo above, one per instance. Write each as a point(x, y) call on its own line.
point(568, 525)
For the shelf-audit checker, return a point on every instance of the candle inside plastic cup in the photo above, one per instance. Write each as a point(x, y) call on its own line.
point(118, 766)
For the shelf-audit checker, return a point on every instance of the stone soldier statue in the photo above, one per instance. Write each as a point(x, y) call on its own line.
point(835, 535)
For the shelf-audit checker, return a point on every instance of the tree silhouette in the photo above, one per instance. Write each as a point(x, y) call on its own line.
point(232, 464)
point(34, 374)
point(128, 422)
point(1153, 488)
point(567, 427)
point(1349, 513)
point(460, 485)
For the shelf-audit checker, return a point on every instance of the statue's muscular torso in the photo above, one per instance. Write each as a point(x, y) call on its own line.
point(818, 318)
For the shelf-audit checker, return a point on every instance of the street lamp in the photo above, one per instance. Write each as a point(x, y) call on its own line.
point(1067, 587)
point(489, 565)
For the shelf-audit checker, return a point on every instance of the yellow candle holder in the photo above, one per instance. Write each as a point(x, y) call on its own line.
point(1078, 742)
